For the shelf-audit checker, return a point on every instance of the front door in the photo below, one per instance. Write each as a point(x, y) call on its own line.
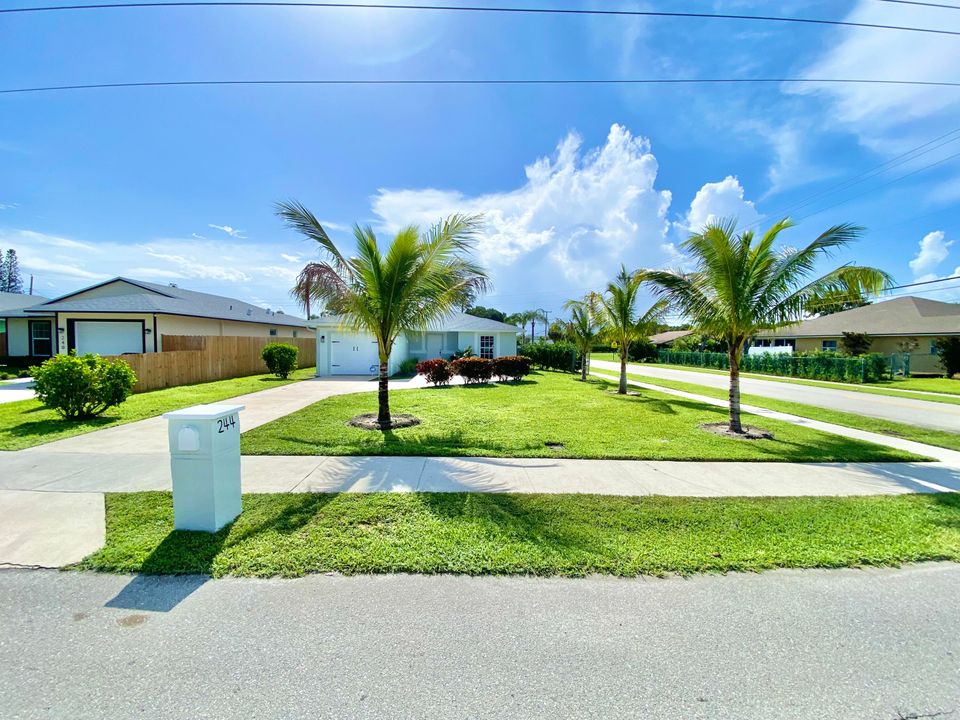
point(41, 338)
point(434, 345)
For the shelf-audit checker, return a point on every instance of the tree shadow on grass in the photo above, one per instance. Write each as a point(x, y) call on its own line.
point(56, 426)
point(513, 517)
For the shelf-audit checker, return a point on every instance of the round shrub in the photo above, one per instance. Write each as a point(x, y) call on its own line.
point(511, 367)
point(281, 359)
point(437, 371)
point(82, 387)
point(473, 369)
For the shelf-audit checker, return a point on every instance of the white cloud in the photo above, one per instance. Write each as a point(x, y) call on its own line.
point(231, 231)
point(580, 212)
point(891, 118)
point(719, 201)
point(232, 268)
point(9, 206)
point(934, 249)
point(336, 227)
point(290, 258)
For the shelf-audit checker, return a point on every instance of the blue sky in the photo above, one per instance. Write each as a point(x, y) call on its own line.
point(178, 184)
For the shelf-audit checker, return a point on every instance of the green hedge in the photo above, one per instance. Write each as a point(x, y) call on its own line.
point(561, 355)
point(815, 366)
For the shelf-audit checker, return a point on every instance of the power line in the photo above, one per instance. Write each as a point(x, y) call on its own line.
point(482, 81)
point(922, 4)
point(480, 9)
point(895, 161)
point(878, 187)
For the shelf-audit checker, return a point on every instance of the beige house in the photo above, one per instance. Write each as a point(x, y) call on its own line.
point(906, 324)
point(122, 316)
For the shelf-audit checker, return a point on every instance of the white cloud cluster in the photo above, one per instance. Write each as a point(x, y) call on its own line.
point(934, 249)
point(718, 201)
point(889, 117)
point(581, 212)
point(231, 231)
point(242, 270)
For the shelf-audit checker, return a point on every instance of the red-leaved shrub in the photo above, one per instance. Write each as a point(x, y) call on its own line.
point(437, 371)
point(473, 369)
point(511, 367)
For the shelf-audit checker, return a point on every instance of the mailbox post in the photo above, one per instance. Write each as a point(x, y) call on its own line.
point(205, 464)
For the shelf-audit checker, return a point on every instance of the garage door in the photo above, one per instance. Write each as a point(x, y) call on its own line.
point(353, 354)
point(107, 338)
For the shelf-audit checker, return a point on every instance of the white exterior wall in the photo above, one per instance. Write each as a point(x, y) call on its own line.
point(18, 337)
point(397, 356)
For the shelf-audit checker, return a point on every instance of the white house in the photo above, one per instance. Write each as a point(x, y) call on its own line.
point(131, 316)
point(341, 351)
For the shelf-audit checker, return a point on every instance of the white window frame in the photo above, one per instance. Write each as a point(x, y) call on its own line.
point(492, 349)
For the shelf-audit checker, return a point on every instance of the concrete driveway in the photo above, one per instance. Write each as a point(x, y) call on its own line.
point(13, 390)
point(922, 413)
point(790, 645)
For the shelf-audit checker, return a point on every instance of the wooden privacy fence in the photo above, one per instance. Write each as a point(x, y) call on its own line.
point(190, 359)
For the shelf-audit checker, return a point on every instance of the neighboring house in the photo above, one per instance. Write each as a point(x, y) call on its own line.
point(341, 351)
point(906, 323)
point(131, 316)
point(665, 339)
point(11, 304)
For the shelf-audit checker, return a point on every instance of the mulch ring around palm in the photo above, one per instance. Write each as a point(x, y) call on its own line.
point(368, 421)
point(749, 433)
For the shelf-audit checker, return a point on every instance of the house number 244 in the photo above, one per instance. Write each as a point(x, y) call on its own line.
point(227, 423)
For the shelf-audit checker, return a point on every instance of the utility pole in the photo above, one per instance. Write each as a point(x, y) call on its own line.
point(31, 285)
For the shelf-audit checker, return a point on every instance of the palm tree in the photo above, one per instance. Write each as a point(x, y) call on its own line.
point(521, 319)
point(583, 329)
point(740, 287)
point(616, 310)
point(306, 282)
point(420, 278)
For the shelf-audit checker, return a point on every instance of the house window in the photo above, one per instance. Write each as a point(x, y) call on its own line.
point(294, 333)
point(486, 346)
point(933, 348)
point(829, 345)
point(41, 338)
point(273, 332)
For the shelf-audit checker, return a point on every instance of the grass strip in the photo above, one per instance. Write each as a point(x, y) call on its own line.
point(290, 535)
point(27, 423)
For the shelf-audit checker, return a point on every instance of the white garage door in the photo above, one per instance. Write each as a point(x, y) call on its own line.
point(353, 354)
point(108, 338)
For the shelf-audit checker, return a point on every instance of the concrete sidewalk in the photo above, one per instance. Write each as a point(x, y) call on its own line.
point(943, 455)
point(52, 504)
point(903, 409)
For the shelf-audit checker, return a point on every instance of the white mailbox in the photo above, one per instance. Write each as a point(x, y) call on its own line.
point(205, 464)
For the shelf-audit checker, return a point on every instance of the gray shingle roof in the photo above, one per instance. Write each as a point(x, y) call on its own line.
point(669, 336)
point(458, 322)
point(903, 316)
point(16, 301)
point(169, 301)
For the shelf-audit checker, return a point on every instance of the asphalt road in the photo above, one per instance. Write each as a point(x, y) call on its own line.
point(922, 413)
point(815, 644)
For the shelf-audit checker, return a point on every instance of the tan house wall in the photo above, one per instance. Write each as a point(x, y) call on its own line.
point(113, 289)
point(922, 361)
point(183, 325)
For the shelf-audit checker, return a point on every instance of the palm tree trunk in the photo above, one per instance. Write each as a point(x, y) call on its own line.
point(583, 365)
point(734, 391)
point(383, 397)
point(622, 390)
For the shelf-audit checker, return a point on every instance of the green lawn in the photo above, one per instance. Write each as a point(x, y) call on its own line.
point(904, 387)
point(588, 420)
point(940, 438)
point(27, 423)
point(291, 535)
